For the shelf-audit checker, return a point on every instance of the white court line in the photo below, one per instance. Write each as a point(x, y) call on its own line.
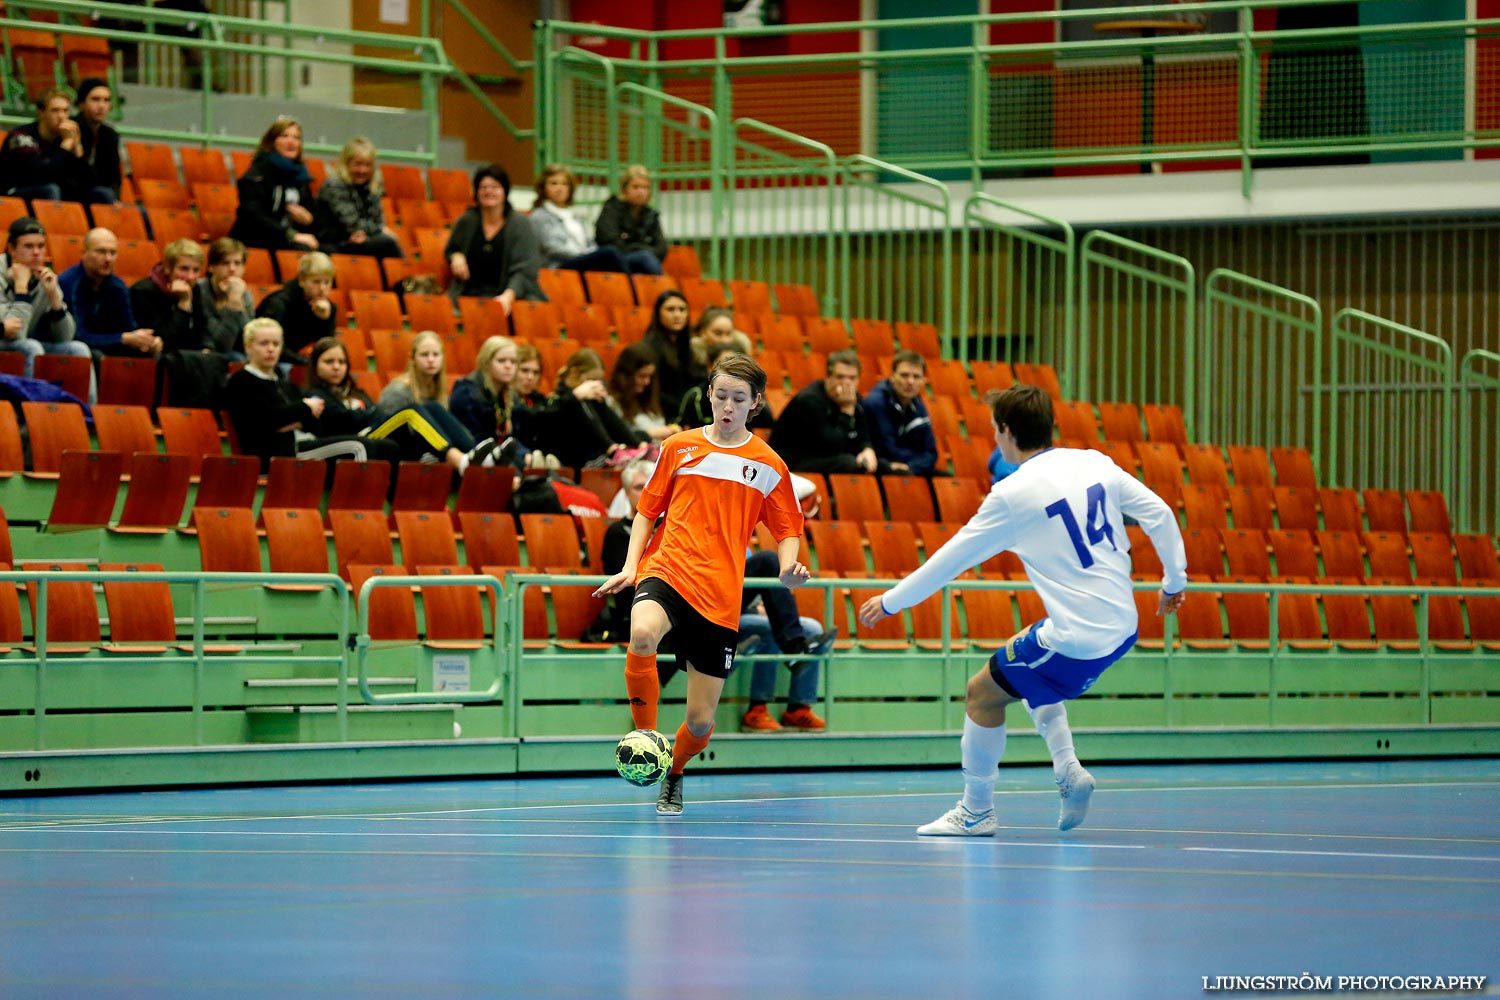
point(45, 824)
point(552, 835)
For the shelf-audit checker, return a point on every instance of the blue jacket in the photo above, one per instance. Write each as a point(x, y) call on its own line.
point(901, 434)
point(100, 314)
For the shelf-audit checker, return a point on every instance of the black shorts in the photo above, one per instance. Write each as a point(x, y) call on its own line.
point(708, 646)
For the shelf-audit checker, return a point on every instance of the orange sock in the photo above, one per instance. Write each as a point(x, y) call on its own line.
point(687, 746)
point(644, 688)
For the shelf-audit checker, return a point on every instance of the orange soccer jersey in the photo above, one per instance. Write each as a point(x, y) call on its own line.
point(713, 497)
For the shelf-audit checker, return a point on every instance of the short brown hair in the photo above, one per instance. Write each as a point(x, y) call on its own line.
point(847, 356)
point(1027, 411)
point(550, 171)
point(224, 248)
point(746, 370)
point(909, 358)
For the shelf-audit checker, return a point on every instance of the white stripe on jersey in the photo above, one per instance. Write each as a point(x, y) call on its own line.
point(732, 468)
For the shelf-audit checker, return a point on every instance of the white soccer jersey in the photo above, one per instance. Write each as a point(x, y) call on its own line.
point(1061, 513)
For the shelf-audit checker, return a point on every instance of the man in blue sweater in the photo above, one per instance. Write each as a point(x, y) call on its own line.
point(100, 302)
point(900, 427)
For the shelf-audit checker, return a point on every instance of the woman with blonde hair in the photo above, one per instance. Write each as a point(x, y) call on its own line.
point(349, 205)
point(425, 379)
point(483, 399)
point(275, 191)
point(629, 224)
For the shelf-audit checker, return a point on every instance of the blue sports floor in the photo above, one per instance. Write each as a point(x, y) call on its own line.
point(770, 885)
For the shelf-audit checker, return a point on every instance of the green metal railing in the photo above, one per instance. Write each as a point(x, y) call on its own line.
point(1260, 364)
point(1392, 416)
point(783, 189)
point(1476, 496)
point(1017, 298)
point(268, 42)
point(1217, 90)
point(201, 584)
point(1137, 324)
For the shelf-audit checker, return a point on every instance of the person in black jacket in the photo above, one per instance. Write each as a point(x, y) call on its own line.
point(276, 193)
point(823, 428)
point(493, 251)
point(302, 307)
point(44, 159)
point(349, 208)
point(270, 417)
point(628, 223)
point(670, 338)
point(577, 424)
point(167, 301)
point(100, 142)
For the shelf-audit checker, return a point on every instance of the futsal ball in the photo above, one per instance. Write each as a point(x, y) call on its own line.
point(643, 757)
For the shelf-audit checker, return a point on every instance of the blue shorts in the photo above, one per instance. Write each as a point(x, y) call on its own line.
point(1029, 670)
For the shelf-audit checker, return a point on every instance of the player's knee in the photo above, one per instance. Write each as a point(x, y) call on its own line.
point(643, 641)
point(699, 724)
point(981, 690)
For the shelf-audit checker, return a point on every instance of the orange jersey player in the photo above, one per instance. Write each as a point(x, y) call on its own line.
point(713, 484)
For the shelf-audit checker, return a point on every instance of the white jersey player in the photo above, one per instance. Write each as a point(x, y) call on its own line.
point(1062, 512)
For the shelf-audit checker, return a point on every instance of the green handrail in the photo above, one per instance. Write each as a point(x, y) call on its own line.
point(1477, 472)
point(782, 235)
point(362, 642)
point(1038, 287)
point(1391, 395)
point(1251, 329)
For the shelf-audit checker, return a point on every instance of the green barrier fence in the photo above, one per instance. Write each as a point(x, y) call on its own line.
point(1260, 365)
point(1391, 393)
point(1476, 496)
point(1017, 281)
point(1137, 323)
point(1211, 88)
point(1413, 669)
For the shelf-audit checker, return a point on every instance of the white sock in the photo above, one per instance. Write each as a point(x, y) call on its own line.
point(981, 749)
point(1052, 726)
point(463, 464)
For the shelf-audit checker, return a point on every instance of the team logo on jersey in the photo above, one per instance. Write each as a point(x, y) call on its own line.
point(748, 473)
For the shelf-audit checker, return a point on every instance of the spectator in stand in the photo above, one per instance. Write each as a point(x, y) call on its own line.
point(492, 251)
point(715, 327)
point(270, 416)
point(349, 205)
point(627, 223)
point(696, 411)
point(167, 299)
point(670, 337)
point(824, 428)
point(577, 424)
point(564, 240)
point(302, 307)
point(899, 424)
point(635, 395)
point(224, 301)
point(425, 379)
point(528, 382)
point(100, 302)
point(483, 400)
point(99, 140)
point(423, 433)
point(769, 623)
point(44, 159)
point(32, 304)
point(276, 198)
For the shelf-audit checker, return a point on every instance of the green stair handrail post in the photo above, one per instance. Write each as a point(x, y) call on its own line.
point(1148, 367)
point(1478, 500)
point(1248, 123)
point(547, 145)
point(938, 207)
point(739, 166)
point(363, 641)
point(656, 100)
point(1050, 289)
point(1273, 330)
point(1410, 366)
